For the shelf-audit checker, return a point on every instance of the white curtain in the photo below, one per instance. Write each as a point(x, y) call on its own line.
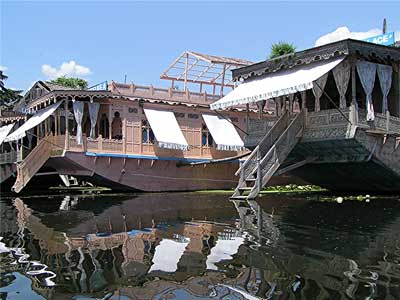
point(78, 113)
point(93, 113)
point(318, 89)
point(342, 76)
point(385, 80)
point(366, 72)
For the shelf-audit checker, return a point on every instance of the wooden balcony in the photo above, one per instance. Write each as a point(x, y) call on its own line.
point(169, 94)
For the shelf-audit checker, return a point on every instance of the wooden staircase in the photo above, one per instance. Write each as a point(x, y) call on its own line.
point(268, 156)
point(28, 167)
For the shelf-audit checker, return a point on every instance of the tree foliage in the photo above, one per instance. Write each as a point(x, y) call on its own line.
point(71, 82)
point(281, 48)
point(8, 97)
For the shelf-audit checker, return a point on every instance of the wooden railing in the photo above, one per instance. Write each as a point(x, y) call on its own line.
point(142, 91)
point(381, 122)
point(277, 154)
point(33, 162)
point(269, 155)
point(264, 145)
point(10, 157)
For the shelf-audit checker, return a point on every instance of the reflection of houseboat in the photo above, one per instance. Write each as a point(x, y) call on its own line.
point(137, 137)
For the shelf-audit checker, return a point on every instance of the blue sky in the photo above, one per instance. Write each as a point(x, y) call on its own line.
point(108, 39)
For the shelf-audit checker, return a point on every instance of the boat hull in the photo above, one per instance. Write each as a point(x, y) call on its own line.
point(150, 174)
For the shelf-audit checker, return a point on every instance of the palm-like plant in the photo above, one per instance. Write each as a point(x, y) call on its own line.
point(281, 48)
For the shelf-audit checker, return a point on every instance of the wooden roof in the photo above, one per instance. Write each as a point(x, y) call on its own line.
point(372, 52)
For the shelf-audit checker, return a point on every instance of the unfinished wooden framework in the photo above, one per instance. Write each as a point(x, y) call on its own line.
point(203, 69)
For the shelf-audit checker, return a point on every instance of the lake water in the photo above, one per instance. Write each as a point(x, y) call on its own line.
point(198, 246)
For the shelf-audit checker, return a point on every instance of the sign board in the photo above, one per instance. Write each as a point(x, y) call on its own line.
point(382, 39)
point(99, 87)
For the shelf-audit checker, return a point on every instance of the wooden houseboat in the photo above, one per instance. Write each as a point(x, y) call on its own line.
point(345, 137)
point(128, 136)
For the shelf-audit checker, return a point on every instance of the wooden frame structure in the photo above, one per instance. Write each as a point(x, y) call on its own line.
point(203, 69)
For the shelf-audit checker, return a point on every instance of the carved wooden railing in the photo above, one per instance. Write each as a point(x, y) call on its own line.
point(8, 157)
point(264, 145)
point(33, 162)
point(381, 122)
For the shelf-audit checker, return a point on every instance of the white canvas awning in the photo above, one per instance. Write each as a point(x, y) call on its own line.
point(167, 255)
point(276, 84)
point(224, 133)
point(166, 129)
point(35, 120)
point(4, 131)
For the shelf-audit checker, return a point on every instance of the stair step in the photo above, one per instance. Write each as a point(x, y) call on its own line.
point(250, 179)
point(246, 188)
point(238, 198)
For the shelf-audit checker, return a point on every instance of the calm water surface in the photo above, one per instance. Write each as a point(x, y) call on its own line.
point(198, 246)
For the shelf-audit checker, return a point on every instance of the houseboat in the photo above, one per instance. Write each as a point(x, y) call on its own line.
point(346, 135)
point(131, 137)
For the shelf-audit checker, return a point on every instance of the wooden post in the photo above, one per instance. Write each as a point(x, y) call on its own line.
point(109, 122)
point(247, 117)
point(398, 90)
point(56, 122)
point(278, 105)
point(66, 112)
point(186, 71)
point(259, 179)
point(124, 130)
point(223, 80)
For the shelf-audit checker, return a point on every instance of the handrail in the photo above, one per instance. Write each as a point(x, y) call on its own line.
point(32, 163)
point(266, 142)
point(284, 136)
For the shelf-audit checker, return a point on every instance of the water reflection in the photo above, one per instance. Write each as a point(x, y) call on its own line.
point(200, 246)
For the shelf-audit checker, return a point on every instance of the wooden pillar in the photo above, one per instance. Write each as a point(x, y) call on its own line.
point(124, 129)
point(109, 122)
point(66, 114)
point(278, 102)
point(56, 122)
point(398, 90)
point(223, 80)
point(247, 118)
point(186, 71)
point(291, 98)
point(45, 126)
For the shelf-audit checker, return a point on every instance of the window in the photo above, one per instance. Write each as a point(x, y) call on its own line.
point(179, 115)
point(147, 133)
point(132, 110)
point(206, 138)
point(193, 116)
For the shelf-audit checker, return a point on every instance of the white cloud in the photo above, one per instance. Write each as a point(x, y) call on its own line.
point(70, 68)
point(3, 68)
point(342, 33)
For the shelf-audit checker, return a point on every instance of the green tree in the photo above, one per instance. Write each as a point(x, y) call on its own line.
point(8, 97)
point(71, 82)
point(281, 48)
